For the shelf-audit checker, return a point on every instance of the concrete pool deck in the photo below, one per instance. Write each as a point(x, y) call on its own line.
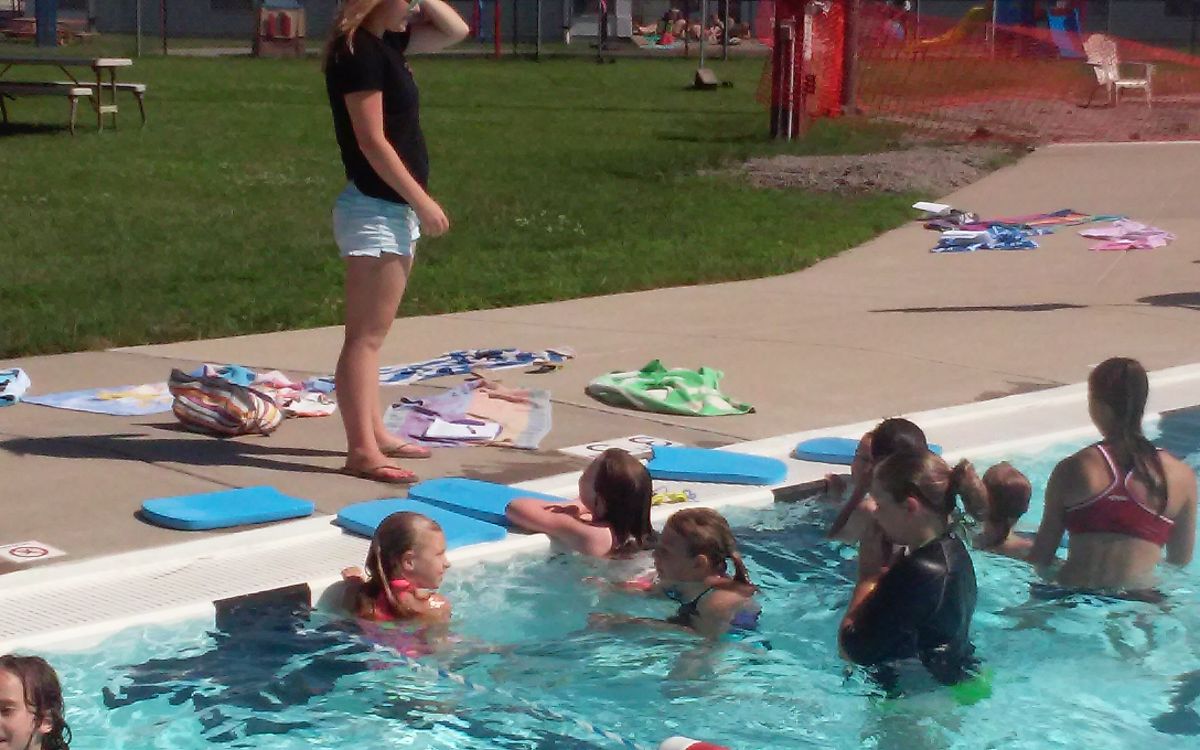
point(884, 328)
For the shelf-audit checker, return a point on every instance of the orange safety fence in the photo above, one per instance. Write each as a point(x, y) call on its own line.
point(968, 77)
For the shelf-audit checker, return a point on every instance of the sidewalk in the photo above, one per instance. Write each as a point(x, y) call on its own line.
point(885, 328)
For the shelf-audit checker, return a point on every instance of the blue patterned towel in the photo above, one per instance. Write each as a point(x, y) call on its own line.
point(13, 384)
point(123, 401)
point(461, 362)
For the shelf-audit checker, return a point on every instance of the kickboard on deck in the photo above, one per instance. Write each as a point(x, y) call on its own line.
point(688, 464)
point(476, 498)
point(220, 510)
point(460, 530)
point(834, 450)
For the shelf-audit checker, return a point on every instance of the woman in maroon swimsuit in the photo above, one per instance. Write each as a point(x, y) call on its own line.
point(1122, 500)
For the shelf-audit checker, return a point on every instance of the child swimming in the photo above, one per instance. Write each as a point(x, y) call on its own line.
point(31, 705)
point(889, 437)
point(611, 517)
point(999, 500)
point(692, 561)
point(405, 564)
point(918, 603)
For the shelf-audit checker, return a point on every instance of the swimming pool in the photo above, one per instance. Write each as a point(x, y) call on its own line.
point(1077, 672)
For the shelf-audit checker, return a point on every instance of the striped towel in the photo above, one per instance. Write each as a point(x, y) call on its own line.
point(462, 362)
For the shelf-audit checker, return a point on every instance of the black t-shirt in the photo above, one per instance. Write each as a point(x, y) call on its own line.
point(377, 65)
point(922, 607)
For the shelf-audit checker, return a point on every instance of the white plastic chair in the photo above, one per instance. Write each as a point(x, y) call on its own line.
point(1102, 56)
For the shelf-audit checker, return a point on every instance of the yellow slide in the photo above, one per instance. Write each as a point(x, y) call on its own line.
point(975, 18)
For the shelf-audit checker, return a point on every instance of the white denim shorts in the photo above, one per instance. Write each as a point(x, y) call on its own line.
point(366, 226)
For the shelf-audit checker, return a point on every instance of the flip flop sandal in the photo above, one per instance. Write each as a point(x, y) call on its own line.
point(408, 450)
point(385, 473)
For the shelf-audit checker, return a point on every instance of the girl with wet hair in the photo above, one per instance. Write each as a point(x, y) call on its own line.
point(919, 603)
point(31, 705)
point(610, 519)
point(1122, 500)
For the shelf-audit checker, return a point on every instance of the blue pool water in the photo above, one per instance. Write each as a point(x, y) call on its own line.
point(1079, 673)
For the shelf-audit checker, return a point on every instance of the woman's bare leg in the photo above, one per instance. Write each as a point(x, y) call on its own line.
point(374, 288)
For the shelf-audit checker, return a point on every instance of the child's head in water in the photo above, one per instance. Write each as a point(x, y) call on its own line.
point(408, 546)
point(1008, 492)
point(617, 490)
point(696, 544)
point(897, 435)
point(407, 553)
point(31, 705)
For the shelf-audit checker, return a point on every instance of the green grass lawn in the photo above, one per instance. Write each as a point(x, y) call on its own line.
point(562, 179)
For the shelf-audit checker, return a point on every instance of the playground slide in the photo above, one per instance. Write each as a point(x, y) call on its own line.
point(1064, 30)
point(975, 18)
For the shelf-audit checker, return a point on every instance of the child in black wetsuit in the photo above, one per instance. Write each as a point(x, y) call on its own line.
point(920, 603)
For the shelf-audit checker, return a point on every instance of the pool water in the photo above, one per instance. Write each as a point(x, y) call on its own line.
point(1083, 672)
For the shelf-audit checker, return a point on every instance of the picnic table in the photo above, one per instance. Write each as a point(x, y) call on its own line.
point(75, 88)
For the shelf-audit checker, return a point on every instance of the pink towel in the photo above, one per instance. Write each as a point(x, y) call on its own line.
point(1128, 235)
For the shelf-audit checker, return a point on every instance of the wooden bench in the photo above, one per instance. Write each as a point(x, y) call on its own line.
point(73, 91)
point(137, 89)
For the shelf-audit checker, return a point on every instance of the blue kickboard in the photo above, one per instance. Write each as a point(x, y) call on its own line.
point(219, 510)
point(460, 531)
point(834, 450)
point(474, 497)
point(686, 464)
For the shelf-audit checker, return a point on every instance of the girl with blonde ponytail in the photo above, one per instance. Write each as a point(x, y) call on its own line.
point(385, 205)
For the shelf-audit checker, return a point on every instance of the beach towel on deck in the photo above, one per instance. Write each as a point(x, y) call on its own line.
point(123, 401)
point(1128, 235)
point(13, 384)
point(1064, 217)
point(463, 361)
point(994, 238)
point(524, 416)
point(668, 391)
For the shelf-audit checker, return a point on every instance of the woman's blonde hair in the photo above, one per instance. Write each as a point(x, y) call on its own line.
point(350, 17)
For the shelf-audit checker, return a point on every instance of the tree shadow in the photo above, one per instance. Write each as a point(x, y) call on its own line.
point(1187, 300)
point(1036, 307)
point(192, 452)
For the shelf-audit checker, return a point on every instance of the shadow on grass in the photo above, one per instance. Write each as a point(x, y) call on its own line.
point(713, 137)
point(573, 107)
point(11, 129)
point(1037, 307)
point(191, 452)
